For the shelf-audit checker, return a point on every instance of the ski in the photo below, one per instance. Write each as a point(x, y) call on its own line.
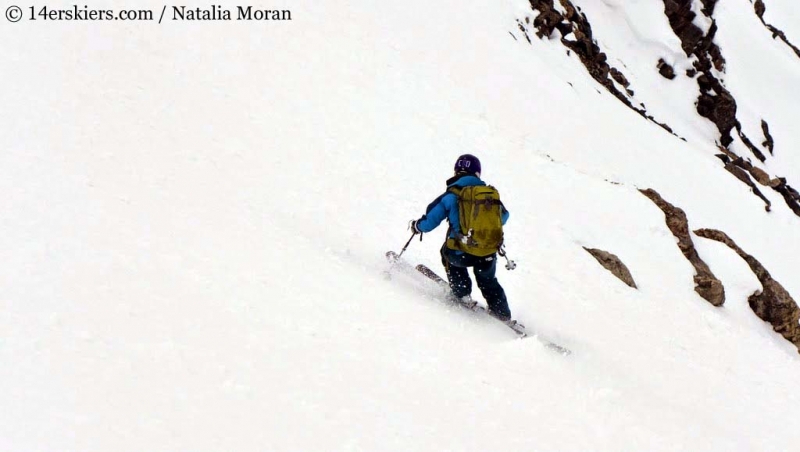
point(396, 262)
point(514, 325)
point(471, 305)
point(432, 275)
point(392, 256)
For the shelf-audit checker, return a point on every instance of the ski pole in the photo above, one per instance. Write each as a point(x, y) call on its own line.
point(407, 243)
point(510, 265)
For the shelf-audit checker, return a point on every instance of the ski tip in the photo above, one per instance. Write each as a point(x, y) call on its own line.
point(559, 349)
point(552, 346)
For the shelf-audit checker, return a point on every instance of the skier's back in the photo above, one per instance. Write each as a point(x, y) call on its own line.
point(475, 245)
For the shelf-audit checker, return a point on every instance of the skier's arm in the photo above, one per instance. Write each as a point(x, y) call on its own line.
point(504, 216)
point(435, 213)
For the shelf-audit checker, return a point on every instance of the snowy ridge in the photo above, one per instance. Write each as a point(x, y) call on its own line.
point(196, 216)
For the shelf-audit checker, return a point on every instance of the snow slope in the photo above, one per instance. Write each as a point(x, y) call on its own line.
point(196, 215)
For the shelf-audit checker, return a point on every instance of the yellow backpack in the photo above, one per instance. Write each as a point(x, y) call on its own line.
point(480, 214)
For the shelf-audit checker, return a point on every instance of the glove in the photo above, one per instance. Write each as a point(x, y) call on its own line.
point(413, 226)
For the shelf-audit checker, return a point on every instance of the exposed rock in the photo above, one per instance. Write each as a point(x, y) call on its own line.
point(736, 167)
point(548, 19)
point(760, 176)
point(619, 77)
point(768, 142)
point(523, 30)
point(613, 264)
point(706, 284)
point(666, 71)
point(760, 9)
point(718, 105)
point(790, 195)
point(773, 303)
point(680, 15)
point(732, 155)
point(573, 23)
point(759, 155)
point(715, 102)
point(708, 7)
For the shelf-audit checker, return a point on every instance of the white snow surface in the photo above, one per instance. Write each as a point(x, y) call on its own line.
point(195, 216)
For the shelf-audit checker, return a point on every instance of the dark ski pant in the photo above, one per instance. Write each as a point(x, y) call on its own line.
point(456, 265)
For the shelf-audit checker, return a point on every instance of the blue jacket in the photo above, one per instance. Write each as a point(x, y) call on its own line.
point(446, 206)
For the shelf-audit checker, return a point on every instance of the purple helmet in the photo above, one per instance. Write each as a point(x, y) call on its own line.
point(468, 163)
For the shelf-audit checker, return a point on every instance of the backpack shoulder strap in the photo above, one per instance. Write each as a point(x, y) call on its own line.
point(455, 190)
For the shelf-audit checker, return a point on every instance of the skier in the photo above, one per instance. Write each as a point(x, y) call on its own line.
point(473, 239)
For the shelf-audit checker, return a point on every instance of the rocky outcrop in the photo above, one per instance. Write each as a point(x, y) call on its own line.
point(772, 303)
point(757, 152)
point(738, 166)
point(760, 9)
point(613, 264)
point(708, 7)
point(707, 285)
point(760, 176)
point(576, 35)
point(715, 102)
point(666, 71)
point(735, 167)
point(790, 195)
point(693, 40)
point(768, 142)
point(524, 29)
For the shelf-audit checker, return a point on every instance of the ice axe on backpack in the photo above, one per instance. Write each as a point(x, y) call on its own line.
point(510, 265)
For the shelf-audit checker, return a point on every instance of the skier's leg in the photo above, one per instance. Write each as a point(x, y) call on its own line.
point(491, 289)
point(458, 276)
